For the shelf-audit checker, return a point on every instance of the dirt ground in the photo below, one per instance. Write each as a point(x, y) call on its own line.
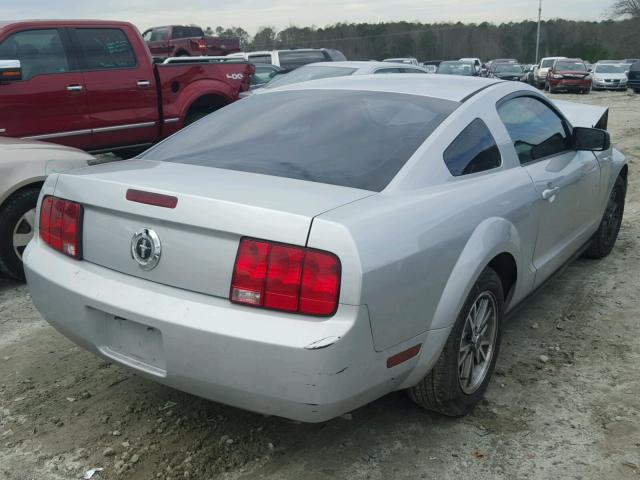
point(574, 416)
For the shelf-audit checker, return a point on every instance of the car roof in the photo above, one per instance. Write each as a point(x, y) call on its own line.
point(60, 22)
point(445, 87)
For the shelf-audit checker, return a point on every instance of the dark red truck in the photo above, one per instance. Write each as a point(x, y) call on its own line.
point(187, 40)
point(93, 85)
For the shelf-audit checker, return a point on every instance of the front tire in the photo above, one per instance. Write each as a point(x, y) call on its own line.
point(17, 227)
point(461, 375)
point(607, 234)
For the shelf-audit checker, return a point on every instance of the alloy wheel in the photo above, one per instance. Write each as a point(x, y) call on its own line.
point(478, 341)
point(23, 232)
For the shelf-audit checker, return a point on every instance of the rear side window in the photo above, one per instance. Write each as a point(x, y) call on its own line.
point(159, 34)
point(105, 48)
point(350, 138)
point(290, 60)
point(535, 129)
point(473, 151)
point(39, 51)
point(389, 70)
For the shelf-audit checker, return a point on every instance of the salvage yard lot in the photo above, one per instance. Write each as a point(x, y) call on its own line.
point(564, 403)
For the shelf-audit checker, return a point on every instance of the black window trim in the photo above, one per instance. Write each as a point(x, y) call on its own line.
point(482, 172)
point(565, 123)
point(81, 61)
point(71, 60)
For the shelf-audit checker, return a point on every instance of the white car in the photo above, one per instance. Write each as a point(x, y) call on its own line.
point(317, 71)
point(607, 76)
point(24, 166)
point(477, 63)
point(540, 75)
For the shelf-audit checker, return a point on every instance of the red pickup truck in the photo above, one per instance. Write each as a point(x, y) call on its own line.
point(93, 85)
point(182, 41)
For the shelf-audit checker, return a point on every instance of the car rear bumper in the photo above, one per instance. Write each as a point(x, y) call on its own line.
point(303, 368)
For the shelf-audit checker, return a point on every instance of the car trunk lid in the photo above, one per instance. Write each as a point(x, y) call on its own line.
point(200, 236)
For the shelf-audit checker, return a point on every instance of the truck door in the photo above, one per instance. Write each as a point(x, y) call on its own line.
point(120, 88)
point(49, 102)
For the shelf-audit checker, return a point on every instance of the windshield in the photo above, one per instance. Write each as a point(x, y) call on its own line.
point(455, 68)
point(606, 68)
point(546, 63)
point(309, 72)
point(571, 66)
point(358, 139)
point(292, 59)
point(508, 68)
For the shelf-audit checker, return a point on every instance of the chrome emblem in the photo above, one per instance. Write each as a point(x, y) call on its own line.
point(146, 249)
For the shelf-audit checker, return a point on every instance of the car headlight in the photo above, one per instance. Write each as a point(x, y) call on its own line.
point(624, 80)
point(556, 76)
point(588, 77)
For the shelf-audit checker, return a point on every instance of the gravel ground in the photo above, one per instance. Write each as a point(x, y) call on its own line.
point(564, 402)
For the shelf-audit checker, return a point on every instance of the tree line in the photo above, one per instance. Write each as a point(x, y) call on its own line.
point(440, 41)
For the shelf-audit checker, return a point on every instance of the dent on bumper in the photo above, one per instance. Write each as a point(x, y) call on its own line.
point(280, 364)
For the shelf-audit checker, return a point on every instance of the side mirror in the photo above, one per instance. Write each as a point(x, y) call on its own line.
point(591, 139)
point(10, 70)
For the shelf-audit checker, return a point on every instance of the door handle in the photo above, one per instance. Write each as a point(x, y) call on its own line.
point(74, 88)
point(144, 83)
point(550, 193)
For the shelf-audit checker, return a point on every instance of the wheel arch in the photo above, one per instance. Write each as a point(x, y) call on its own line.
point(495, 243)
point(37, 182)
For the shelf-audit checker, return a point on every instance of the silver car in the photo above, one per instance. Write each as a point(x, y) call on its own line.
point(334, 241)
point(608, 76)
point(320, 70)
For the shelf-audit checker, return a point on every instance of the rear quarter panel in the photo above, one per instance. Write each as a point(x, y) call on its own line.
point(413, 252)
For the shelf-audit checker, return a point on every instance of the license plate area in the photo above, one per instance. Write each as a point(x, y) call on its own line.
point(134, 344)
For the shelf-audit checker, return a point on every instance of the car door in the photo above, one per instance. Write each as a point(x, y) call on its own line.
point(120, 89)
point(49, 102)
point(567, 181)
point(157, 40)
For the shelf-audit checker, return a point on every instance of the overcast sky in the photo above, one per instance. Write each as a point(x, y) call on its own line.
point(251, 14)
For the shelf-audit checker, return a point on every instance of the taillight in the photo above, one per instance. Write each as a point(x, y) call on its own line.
point(202, 44)
point(285, 277)
point(61, 225)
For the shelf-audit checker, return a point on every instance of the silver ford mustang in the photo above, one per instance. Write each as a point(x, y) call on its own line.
point(306, 251)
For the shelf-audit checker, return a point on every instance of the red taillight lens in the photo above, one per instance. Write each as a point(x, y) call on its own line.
point(320, 283)
point(60, 225)
point(286, 277)
point(202, 44)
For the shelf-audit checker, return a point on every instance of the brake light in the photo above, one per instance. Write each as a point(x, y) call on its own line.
point(286, 277)
point(60, 225)
point(202, 44)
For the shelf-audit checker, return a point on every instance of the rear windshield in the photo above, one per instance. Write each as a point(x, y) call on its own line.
point(186, 32)
point(290, 60)
point(547, 63)
point(350, 138)
point(455, 68)
point(309, 72)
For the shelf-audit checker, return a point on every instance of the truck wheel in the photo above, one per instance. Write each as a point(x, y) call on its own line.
point(17, 227)
point(605, 238)
point(460, 377)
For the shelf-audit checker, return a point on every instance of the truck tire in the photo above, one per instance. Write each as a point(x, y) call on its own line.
point(457, 382)
point(607, 234)
point(17, 227)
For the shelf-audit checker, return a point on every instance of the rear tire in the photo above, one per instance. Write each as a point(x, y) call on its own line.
point(457, 383)
point(17, 226)
point(607, 234)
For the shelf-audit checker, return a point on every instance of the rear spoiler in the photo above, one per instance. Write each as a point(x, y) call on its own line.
point(581, 115)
